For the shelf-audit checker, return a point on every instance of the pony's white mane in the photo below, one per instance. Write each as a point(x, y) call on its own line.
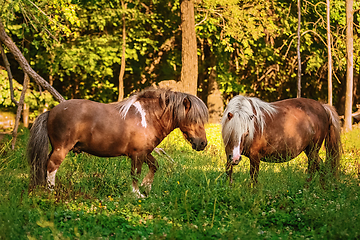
point(248, 112)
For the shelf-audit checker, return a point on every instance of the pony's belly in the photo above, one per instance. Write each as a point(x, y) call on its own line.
point(279, 157)
point(99, 152)
point(128, 145)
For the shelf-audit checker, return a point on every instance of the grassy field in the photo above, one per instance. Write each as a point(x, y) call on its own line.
point(190, 199)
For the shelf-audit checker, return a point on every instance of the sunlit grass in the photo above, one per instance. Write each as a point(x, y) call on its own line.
point(190, 199)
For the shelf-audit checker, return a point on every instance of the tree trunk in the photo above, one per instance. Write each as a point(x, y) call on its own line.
point(349, 65)
point(330, 102)
point(214, 100)
point(189, 69)
point(25, 115)
point(25, 65)
point(8, 70)
point(122, 67)
point(19, 110)
point(298, 50)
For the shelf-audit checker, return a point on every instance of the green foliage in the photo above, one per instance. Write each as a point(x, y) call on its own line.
point(255, 46)
point(5, 99)
point(84, 61)
point(190, 199)
point(36, 101)
point(250, 44)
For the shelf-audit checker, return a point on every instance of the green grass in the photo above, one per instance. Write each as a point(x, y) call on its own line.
point(190, 199)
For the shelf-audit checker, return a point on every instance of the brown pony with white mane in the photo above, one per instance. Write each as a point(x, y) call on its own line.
point(279, 131)
point(133, 127)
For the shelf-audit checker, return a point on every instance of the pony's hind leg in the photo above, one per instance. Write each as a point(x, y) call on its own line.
point(56, 157)
point(314, 160)
point(149, 178)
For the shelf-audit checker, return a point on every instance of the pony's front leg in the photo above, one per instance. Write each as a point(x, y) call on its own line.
point(136, 165)
point(254, 170)
point(149, 178)
point(229, 171)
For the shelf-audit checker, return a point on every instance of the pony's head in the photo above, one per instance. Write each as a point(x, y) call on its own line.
point(242, 117)
point(191, 115)
point(175, 109)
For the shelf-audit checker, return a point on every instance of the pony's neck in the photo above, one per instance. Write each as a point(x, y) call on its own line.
point(167, 123)
point(162, 121)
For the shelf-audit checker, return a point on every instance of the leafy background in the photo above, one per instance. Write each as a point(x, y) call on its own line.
point(250, 44)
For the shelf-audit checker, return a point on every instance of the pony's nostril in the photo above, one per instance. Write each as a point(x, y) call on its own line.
point(193, 145)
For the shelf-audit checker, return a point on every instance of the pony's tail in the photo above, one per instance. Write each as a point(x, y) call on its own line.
point(37, 150)
point(333, 140)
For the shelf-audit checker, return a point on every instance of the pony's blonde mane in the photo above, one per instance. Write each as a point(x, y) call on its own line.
point(248, 112)
point(172, 102)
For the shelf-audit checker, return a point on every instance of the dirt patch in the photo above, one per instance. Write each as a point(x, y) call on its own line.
point(7, 121)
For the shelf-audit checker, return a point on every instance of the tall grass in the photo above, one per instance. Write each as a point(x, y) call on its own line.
point(190, 198)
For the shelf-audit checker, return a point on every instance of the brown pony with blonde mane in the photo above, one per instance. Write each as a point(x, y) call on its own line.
point(133, 127)
point(279, 131)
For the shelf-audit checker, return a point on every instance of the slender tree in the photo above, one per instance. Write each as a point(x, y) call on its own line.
point(20, 106)
point(298, 50)
point(189, 69)
point(122, 68)
point(349, 64)
point(330, 102)
point(8, 70)
point(21, 103)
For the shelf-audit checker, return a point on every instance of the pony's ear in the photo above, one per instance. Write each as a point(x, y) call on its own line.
point(187, 104)
point(230, 115)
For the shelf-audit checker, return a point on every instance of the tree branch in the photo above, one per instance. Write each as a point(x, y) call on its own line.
point(25, 65)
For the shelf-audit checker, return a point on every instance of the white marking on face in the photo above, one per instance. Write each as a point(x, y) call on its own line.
point(51, 178)
point(236, 152)
point(138, 107)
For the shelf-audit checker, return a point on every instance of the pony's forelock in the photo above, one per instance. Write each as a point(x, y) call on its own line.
point(198, 112)
point(247, 113)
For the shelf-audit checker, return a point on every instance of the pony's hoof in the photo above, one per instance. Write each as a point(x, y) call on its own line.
point(138, 194)
point(51, 188)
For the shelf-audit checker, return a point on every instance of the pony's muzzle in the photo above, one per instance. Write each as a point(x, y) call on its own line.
point(198, 144)
point(234, 160)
